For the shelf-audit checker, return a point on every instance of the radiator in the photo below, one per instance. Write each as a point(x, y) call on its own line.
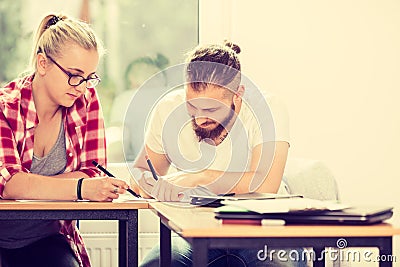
point(101, 238)
point(103, 247)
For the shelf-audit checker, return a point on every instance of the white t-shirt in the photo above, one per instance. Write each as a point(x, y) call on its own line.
point(262, 118)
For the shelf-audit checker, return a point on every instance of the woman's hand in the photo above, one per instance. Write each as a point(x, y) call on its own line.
point(102, 188)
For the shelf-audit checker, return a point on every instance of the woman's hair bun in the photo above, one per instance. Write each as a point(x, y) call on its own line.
point(232, 46)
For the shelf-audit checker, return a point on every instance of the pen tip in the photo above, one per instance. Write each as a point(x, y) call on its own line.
point(147, 157)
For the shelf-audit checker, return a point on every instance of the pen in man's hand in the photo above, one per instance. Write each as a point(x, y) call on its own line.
point(97, 165)
point(151, 168)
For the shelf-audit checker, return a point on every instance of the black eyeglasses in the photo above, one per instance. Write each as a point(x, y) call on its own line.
point(75, 80)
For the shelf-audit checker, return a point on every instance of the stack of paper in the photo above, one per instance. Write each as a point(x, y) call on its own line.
point(283, 205)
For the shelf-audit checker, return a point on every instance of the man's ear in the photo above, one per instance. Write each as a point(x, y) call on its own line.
point(41, 63)
point(239, 94)
point(240, 90)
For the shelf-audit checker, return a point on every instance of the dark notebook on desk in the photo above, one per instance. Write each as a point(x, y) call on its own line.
point(362, 215)
point(215, 201)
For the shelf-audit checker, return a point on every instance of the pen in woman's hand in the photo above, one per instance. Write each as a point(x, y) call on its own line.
point(97, 165)
point(101, 168)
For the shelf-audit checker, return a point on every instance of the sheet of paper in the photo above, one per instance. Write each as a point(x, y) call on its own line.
point(199, 190)
point(122, 198)
point(284, 205)
point(128, 198)
point(45, 200)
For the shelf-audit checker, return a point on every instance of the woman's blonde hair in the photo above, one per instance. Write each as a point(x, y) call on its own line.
point(57, 31)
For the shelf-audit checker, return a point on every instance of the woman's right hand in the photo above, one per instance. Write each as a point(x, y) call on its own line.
point(102, 188)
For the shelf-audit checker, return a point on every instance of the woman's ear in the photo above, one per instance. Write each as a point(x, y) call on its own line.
point(41, 63)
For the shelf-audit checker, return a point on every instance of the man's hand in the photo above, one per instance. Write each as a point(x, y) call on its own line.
point(164, 190)
point(182, 179)
point(145, 182)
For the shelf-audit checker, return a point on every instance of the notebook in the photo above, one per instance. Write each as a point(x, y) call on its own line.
point(215, 201)
point(358, 215)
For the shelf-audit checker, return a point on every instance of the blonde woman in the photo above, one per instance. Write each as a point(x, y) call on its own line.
point(51, 129)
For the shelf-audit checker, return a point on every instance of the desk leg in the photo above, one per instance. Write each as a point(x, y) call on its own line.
point(200, 252)
point(319, 260)
point(386, 253)
point(128, 240)
point(165, 246)
point(122, 243)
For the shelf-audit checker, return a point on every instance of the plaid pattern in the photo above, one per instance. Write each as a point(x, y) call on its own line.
point(85, 141)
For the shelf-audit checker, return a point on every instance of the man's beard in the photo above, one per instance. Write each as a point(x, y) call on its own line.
point(202, 133)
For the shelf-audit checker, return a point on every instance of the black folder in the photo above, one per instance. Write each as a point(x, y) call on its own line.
point(215, 201)
point(360, 215)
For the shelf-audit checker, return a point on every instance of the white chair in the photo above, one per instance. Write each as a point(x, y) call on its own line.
point(313, 179)
point(310, 178)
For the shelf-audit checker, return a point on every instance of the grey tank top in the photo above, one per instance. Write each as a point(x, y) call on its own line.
point(20, 233)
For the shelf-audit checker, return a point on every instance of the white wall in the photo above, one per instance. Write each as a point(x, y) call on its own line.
point(336, 64)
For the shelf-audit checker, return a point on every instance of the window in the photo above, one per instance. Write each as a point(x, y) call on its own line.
point(142, 37)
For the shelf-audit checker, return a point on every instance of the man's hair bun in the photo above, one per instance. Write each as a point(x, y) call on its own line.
point(232, 46)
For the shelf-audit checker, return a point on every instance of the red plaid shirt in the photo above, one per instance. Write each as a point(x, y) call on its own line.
point(85, 141)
